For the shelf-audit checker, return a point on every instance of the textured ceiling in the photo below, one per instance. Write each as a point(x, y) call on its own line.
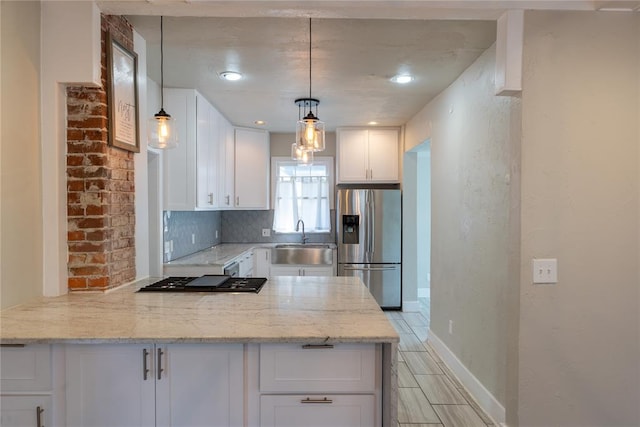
point(352, 62)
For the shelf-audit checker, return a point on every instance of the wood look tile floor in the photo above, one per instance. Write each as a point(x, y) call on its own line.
point(429, 395)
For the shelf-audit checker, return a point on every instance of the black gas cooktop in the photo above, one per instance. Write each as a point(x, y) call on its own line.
point(207, 283)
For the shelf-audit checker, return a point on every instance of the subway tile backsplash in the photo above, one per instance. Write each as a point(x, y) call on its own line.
point(190, 232)
point(232, 226)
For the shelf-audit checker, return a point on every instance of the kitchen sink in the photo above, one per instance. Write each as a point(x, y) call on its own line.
point(306, 254)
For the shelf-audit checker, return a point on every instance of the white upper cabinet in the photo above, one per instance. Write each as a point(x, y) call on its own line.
point(367, 155)
point(252, 158)
point(226, 166)
point(191, 169)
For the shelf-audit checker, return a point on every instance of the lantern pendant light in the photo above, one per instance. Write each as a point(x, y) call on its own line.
point(162, 133)
point(309, 129)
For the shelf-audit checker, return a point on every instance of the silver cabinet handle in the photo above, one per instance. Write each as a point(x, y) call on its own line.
point(309, 400)
point(210, 198)
point(317, 346)
point(160, 353)
point(145, 368)
point(237, 200)
point(226, 200)
point(39, 412)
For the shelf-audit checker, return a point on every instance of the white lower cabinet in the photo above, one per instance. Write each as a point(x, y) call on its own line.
point(317, 410)
point(261, 262)
point(25, 411)
point(149, 385)
point(319, 385)
point(300, 270)
point(26, 386)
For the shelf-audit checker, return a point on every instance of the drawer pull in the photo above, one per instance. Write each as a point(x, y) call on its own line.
point(39, 412)
point(160, 370)
point(316, 346)
point(11, 345)
point(309, 400)
point(145, 368)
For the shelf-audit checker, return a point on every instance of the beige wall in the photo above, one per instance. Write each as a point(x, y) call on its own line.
point(21, 209)
point(281, 144)
point(579, 340)
point(472, 162)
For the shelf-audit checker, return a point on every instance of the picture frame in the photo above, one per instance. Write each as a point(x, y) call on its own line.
point(122, 71)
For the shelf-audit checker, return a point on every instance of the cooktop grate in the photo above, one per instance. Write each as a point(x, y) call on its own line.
point(224, 284)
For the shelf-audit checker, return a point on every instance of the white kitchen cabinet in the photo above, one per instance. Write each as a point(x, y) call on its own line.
point(252, 160)
point(26, 385)
point(25, 411)
point(261, 262)
point(147, 385)
point(190, 171)
point(319, 385)
point(245, 262)
point(300, 270)
point(367, 156)
point(226, 166)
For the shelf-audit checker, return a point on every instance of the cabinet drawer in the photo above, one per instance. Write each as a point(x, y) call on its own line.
point(25, 368)
point(298, 368)
point(317, 410)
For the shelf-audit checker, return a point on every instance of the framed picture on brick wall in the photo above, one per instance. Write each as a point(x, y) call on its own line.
point(122, 70)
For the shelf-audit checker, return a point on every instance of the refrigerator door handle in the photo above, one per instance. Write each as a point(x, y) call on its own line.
point(372, 223)
point(370, 268)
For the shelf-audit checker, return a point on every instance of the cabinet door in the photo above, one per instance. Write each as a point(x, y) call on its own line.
point(252, 169)
point(383, 155)
point(226, 165)
point(25, 368)
point(180, 163)
point(25, 411)
point(261, 262)
point(317, 410)
point(285, 270)
point(206, 153)
point(352, 155)
point(201, 385)
point(106, 385)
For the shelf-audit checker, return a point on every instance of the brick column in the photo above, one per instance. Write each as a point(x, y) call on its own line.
point(100, 185)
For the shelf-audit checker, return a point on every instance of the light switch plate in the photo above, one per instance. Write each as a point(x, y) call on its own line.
point(545, 270)
point(266, 232)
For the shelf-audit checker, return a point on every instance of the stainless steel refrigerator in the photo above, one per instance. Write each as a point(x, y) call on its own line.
point(369, 239)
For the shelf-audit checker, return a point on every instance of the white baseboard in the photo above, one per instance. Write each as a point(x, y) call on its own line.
point(484, 398)
point(410, 306)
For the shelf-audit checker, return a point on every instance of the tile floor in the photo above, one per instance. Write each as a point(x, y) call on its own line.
point(429, 394)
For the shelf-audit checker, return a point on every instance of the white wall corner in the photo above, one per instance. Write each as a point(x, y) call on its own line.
point(65, 27)
point(410, 306)
point(509, 40)
point(482, 396)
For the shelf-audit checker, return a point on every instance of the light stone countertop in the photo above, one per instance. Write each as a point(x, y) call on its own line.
point(217, 255)
point(287, 309)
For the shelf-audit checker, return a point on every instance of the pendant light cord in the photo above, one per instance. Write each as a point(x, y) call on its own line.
point(309, 59)
point(161, 65)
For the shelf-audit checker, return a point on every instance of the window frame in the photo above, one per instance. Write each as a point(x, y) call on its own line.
point(328, 161)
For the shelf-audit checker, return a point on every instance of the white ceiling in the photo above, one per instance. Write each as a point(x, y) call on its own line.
point(357, 46)
point(352, 62)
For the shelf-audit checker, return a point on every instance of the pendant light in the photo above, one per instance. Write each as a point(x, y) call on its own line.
point(161, 128)
point(309, 129)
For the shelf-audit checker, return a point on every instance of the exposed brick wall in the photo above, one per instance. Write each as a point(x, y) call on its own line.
point(100, 185)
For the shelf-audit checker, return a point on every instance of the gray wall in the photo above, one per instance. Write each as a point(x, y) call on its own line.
point(578, 353)
point(21, 240)
point(472, 162)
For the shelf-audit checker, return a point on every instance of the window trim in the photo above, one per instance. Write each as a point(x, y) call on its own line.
point(328, 161)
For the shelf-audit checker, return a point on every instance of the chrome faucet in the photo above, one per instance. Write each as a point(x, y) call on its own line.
point(304, 237)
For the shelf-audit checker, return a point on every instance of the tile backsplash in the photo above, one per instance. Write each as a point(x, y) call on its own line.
point(246, 227)
point(190, 232)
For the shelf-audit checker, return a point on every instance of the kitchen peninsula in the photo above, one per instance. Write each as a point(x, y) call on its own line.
point(312, 348)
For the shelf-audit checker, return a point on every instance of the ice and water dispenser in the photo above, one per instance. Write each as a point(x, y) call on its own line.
point(351, 229)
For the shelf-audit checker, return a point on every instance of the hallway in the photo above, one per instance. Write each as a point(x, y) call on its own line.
point(429, 394)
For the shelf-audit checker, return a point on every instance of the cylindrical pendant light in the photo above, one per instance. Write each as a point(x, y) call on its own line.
point(161, 129)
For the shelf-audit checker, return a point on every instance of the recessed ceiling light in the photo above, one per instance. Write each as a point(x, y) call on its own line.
point(230, 75)
point(260, 122)
point(402, 78)
point(372, 123)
